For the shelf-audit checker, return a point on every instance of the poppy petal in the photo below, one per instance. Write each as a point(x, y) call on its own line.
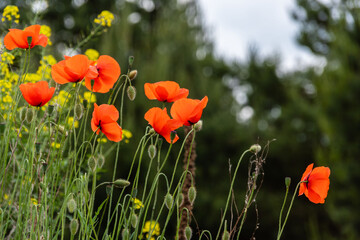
point(112, 131)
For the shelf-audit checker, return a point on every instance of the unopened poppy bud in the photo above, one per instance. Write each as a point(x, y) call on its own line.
point(169, 200)
point(225, 235)
point(23, 114)
point(30, 114)
point(71, 205)
point(172, 135)
point(287, 182)
point(101, 161)
point(131, 60)
point(79, 111)
point(151, 131)
point(255, 148)
point(152, 151)
point(133, 74)
point(92, 163)
point(134, 220)
point(131, 92)
point(188, 232)
point(122, 183)
point(192, 194)
point(125, 234)
point(180, 199)
point(198, 126)
point(74, 225)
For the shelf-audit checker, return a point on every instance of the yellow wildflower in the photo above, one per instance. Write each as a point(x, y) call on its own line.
point(46, 30)
point(10, 13)
point(32, 77)
point(34, 201)
point(92, 54)
point(151, 228)
point(126, 135)
point(7, 57)
point(105, 18)
point(71, 122)
point(137, 203)
point(55, 145)
point(88, 95)
point(103, 140)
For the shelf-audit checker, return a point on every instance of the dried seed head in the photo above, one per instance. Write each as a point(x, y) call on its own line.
point(74, 225)
point(192, 194)
point(131, 92)
point(152, 151)
point(169, 200)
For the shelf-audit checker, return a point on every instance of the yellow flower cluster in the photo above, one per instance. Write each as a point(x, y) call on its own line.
point(126, 135)
point(92, 54)
point(7, 58)
point(88, 96)
point(152, 229)
point(10, 13)
point(6, 86)
point(137, 203)
point(105, 18)
point(44, 69)
point(62, 98)
point(46, 30)
point(73, 123)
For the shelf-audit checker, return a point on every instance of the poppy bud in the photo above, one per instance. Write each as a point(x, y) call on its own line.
point(61, 129)
point(188, 232)
point(122, 183)
point(172, 136)
point(151, 131)
point(71, 205)
point(180, 199)
point(50, 109)
point(168, 200)
point(225, 235)
point(198, 126)
point(152, 151)
point(23, 114)
point(101, 161)
point(133, 74)
point(192, 194)
point(92, 163)
point(131, 92)
point(79, 111)
point(287, 182)
point(255, 148)
point(30, 114)
point(74, 225)
point(134, 220)
point(125, 234)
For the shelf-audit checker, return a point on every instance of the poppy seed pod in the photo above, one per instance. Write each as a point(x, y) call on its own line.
point(71, 205)
point(287, 182)
point(152, 151)
point(74, 225)
point(122, 183)
point(79, 111)
point(192, 194)
point(131, 92)
point(131, 60)
point(30, 114)
point(169, 200)
point(188, 232)
point(172, 136)
point(133, 74)
point(255, 148)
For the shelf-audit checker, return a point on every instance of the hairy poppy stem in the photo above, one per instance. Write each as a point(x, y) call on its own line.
point(288, 212)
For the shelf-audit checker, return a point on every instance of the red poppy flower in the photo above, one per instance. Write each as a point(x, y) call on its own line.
point(188, 111)
point(107, 73)
point(166, 91)
point(317, 183)
point(104, 119)
point(17, 38)
point(37, 94)
point(161, 122)
point(72, 69)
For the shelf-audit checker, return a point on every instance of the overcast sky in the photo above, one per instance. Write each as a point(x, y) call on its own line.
point(236, 24)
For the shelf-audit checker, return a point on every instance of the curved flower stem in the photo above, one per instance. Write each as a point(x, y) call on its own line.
point(230, 191)
point(288, 212)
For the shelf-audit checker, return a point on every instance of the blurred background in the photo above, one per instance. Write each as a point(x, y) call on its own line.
point(303, 92)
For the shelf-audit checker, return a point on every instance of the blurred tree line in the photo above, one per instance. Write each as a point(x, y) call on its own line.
point(312, 113)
